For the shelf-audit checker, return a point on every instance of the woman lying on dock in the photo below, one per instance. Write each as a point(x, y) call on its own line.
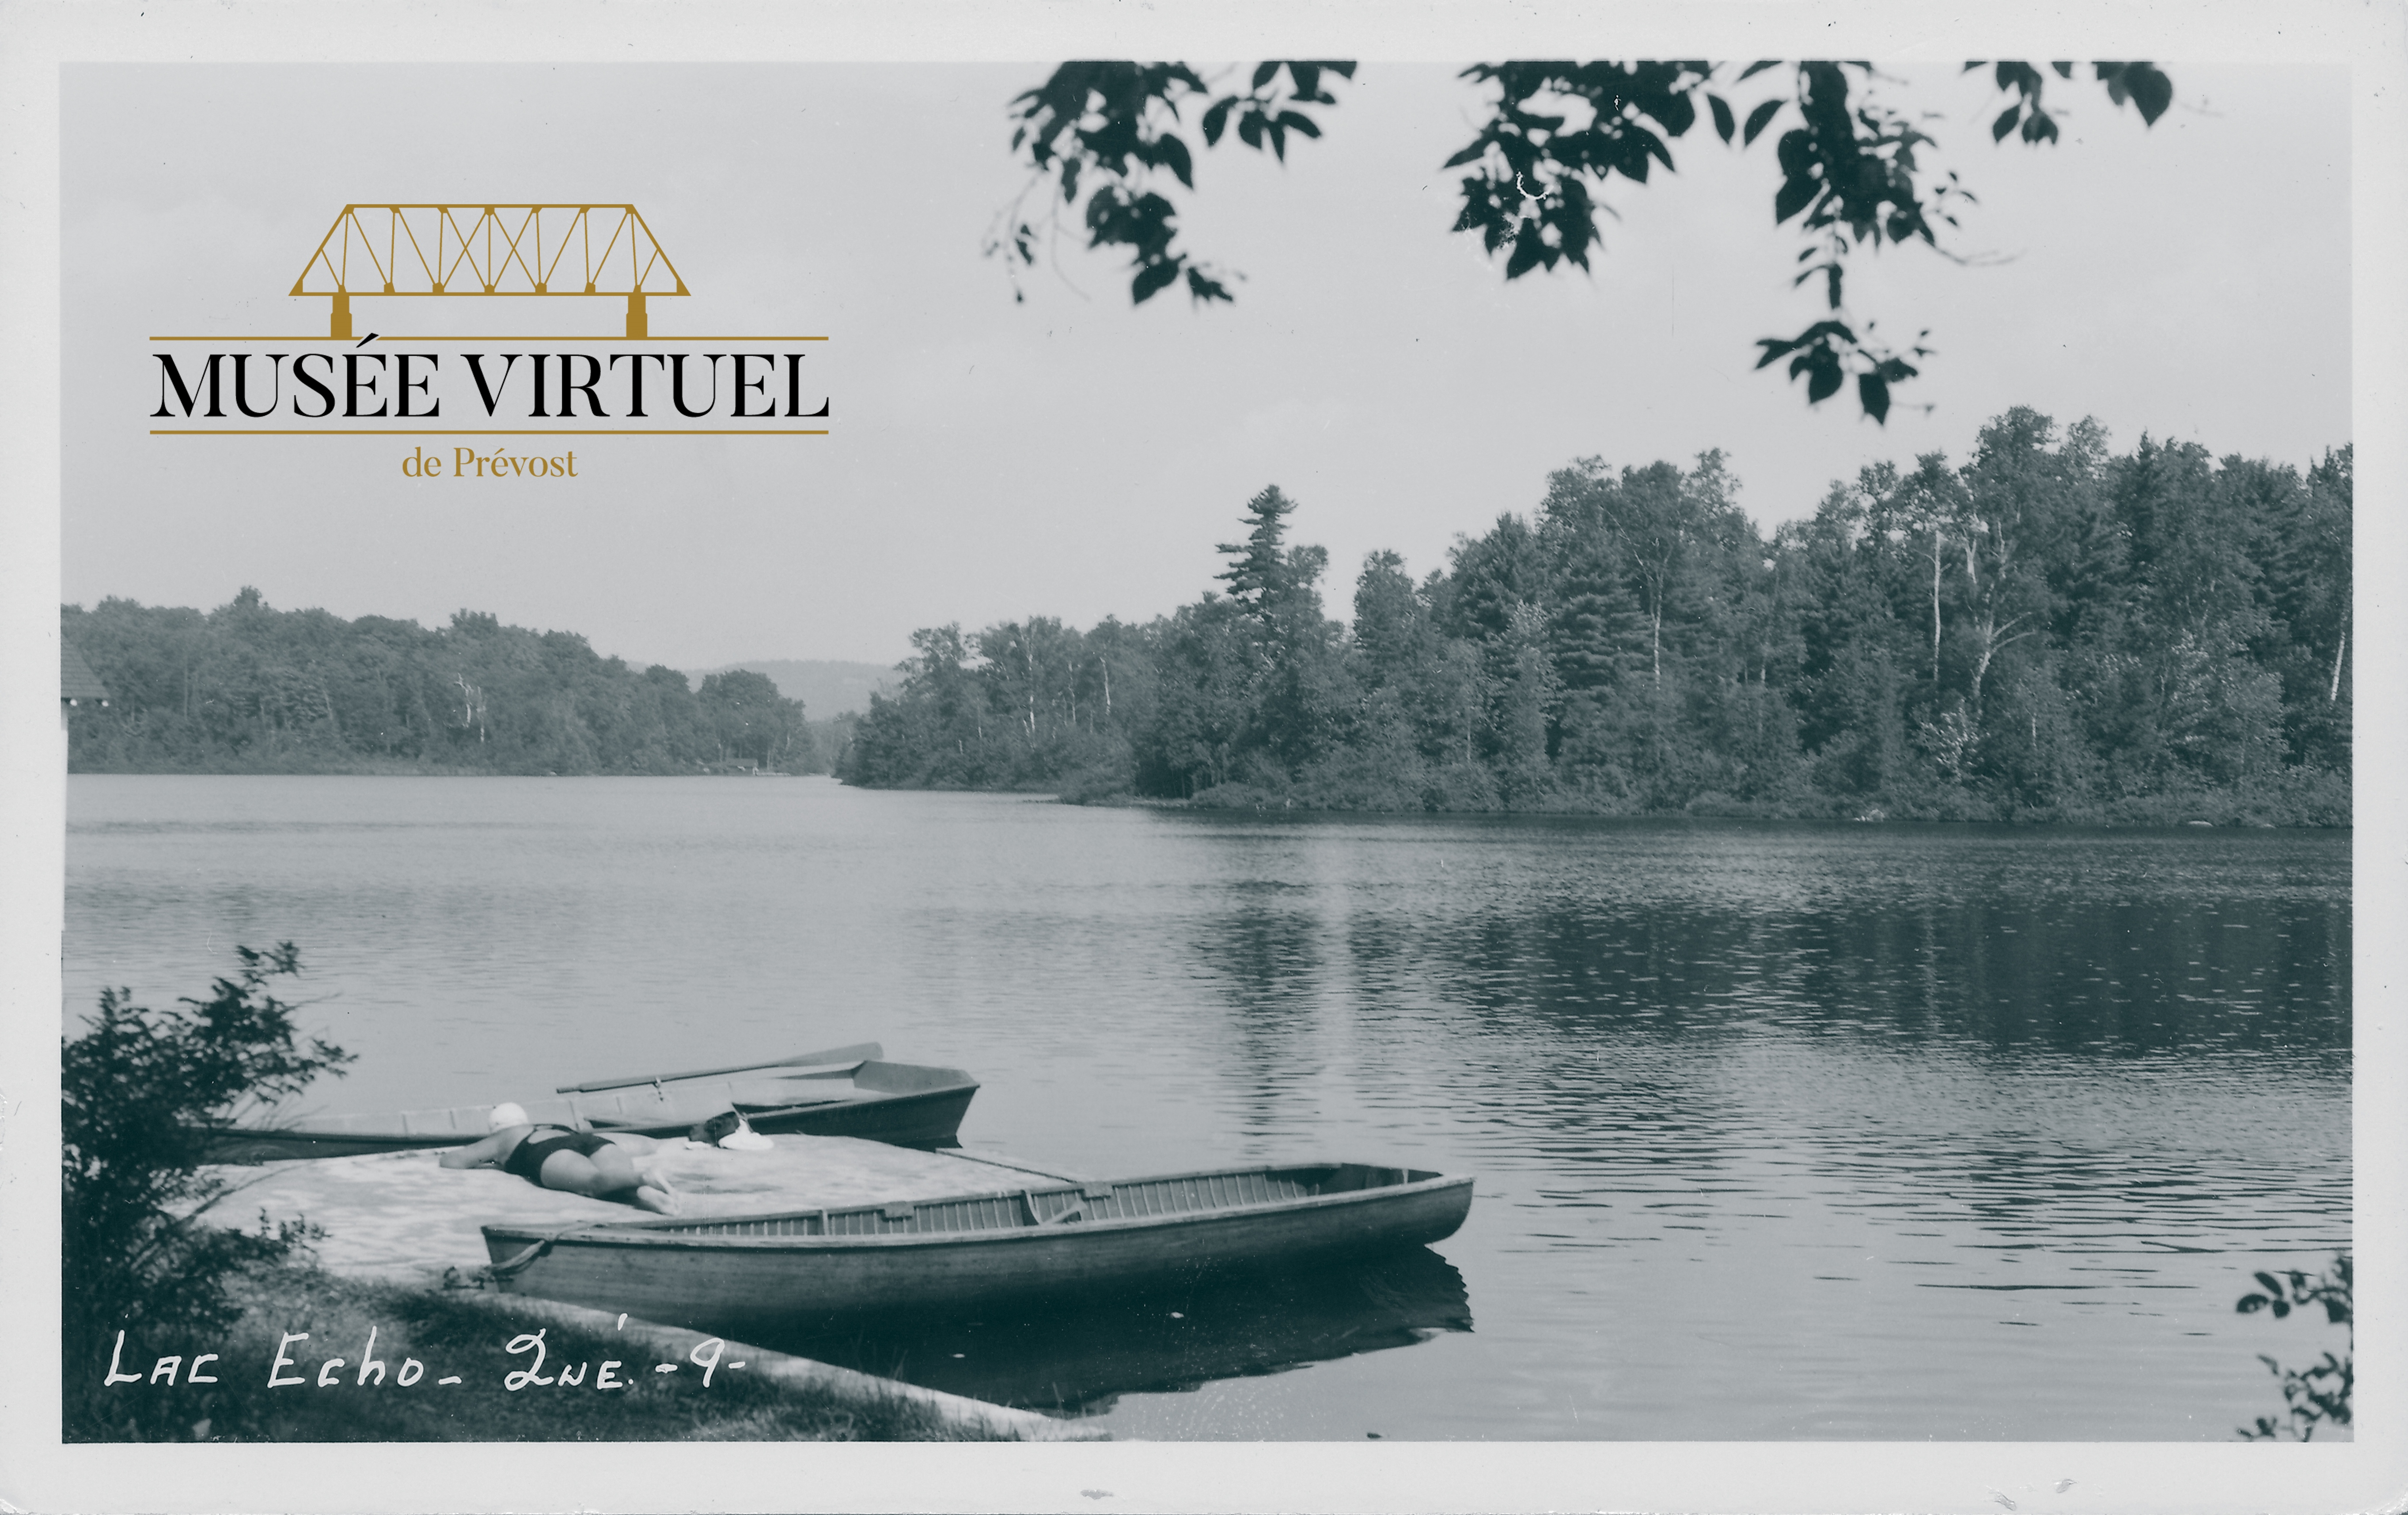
point(559, 1156)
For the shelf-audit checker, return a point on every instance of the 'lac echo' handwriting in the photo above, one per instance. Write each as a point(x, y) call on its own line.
point(368, 1370)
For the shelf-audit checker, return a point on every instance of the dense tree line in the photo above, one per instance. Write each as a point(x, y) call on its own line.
point(2044, 631)
point(246, 688)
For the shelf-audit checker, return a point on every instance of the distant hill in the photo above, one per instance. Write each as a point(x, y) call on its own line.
point(824, 688)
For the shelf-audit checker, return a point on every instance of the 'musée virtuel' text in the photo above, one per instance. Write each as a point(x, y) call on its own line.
point(399, 385)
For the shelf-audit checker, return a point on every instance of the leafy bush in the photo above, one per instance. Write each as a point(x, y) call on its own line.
point(142, 1092)
point(2318, 1396)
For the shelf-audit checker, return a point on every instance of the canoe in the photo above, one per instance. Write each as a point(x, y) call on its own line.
point(902, 1104)
point(740, 1272)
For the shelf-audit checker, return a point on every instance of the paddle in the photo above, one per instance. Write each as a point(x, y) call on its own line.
point(858, 1052)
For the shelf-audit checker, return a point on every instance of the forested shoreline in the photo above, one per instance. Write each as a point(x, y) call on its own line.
point(2048, 631)
point(246, 688)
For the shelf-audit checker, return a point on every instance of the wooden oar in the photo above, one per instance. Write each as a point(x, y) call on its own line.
point(858, 1052)
point(1016, 1167)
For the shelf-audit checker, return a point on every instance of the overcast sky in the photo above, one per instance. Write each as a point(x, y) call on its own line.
point(1070, 456)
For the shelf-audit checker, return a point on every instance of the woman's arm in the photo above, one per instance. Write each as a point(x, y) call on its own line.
point(493, 1148)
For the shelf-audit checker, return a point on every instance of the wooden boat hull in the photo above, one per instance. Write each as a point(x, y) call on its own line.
point(1075, 1356)
point(740, 1272)
point(901, 1103)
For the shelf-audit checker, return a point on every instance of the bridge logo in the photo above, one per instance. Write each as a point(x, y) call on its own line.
point(572, 251)
point(418, 384)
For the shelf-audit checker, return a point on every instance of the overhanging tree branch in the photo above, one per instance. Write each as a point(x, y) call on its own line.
point(1852, 170)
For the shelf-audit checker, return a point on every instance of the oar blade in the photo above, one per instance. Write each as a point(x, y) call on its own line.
point(855, 1052)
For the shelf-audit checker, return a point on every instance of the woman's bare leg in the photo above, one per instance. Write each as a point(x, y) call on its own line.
point(608, 1173)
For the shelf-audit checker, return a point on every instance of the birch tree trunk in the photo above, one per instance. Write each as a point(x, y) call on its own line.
point(1935, 605)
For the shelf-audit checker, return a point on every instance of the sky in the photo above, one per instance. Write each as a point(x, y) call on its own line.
point(1067, 455)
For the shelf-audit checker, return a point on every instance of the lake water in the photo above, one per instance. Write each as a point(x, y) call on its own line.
point(1781, 1131)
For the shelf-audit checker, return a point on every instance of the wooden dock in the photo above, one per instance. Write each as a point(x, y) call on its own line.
point(400, 1217)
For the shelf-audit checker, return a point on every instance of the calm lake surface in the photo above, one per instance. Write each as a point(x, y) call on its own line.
point(1781, 1131)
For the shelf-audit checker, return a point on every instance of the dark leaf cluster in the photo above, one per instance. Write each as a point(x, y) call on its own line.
point(2296, 1291)
point(2142, 86)
point(1105, 127)
point(1827, 352)
point(1552, 129)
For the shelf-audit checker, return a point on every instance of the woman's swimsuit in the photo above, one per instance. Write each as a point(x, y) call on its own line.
point(526, 1158)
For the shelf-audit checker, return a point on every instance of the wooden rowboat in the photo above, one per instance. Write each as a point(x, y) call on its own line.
point(842, 1091)
point(740, 1273)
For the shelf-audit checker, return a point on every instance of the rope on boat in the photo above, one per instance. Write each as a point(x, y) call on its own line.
point(512, 1265)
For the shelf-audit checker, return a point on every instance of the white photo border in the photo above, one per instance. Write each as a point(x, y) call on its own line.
point(37, 1472)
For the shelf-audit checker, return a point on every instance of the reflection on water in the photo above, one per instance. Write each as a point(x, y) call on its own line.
point(1780, 1130)
point(1078, 1355)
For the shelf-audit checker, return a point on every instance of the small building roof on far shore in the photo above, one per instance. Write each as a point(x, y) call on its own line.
point(77, 683)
